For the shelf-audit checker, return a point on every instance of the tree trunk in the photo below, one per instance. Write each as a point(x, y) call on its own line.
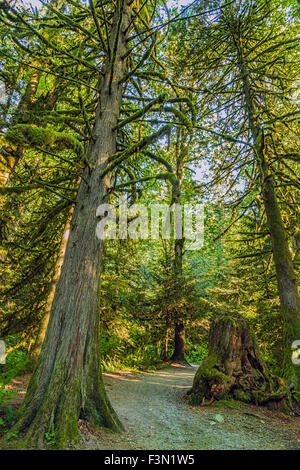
point(166, 346)
point(179, 343)
point(37, 347)
point(286, 278)
point(234, 369)
point(179, 333)
point(67, 383)
point(166, 339)
point(11, 156)
point(286, 281)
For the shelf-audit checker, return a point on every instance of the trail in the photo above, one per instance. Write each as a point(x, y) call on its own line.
point(155, 415)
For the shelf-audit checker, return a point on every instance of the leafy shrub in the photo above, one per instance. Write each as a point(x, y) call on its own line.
point(5, 395)
point(131, 351)
point(15, 362)
point(196, 354)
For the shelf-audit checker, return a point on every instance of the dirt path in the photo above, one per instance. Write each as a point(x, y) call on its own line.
point(152, 408)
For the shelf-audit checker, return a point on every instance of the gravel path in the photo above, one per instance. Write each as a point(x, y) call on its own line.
point(155, 415)
point(152, 408)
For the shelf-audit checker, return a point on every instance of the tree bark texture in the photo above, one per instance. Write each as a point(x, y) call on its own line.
point(234, 369)
point(67, 383)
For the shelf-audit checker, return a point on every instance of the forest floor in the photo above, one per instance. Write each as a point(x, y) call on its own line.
point(155, 414)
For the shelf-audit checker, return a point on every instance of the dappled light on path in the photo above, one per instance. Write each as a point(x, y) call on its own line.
point(155, 414)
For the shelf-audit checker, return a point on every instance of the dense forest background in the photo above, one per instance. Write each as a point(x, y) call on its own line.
point(192, 104)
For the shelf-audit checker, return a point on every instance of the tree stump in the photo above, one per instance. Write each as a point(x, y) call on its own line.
point(234, 369)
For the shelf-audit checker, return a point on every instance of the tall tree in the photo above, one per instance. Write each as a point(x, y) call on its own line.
point(243, 73)
point(67, 383)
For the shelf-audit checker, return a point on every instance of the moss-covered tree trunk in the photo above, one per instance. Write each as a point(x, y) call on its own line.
point(234, 369)
point(179, 333)
point(286, 281)
point(11, 156)
point(67, 384)
point(286, 278)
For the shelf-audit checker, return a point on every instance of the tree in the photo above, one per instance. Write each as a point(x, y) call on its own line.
point(67, 384)
point(234, 368)
point(243, 50)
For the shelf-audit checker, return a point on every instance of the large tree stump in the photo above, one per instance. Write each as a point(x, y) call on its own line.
point(234, 369)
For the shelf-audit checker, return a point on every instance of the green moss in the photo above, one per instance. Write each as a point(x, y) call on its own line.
point(41, 137)
point(206, 369)
point(194, 399)
point(225, 404)
point(210, 373)
point(241, 395)
point(210, 369)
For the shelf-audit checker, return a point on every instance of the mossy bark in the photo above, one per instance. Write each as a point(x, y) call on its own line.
point(286, 280)
point(10, 157)
point(67, 383)
point(179, 331)
point(285, 274)
point(234, 369)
